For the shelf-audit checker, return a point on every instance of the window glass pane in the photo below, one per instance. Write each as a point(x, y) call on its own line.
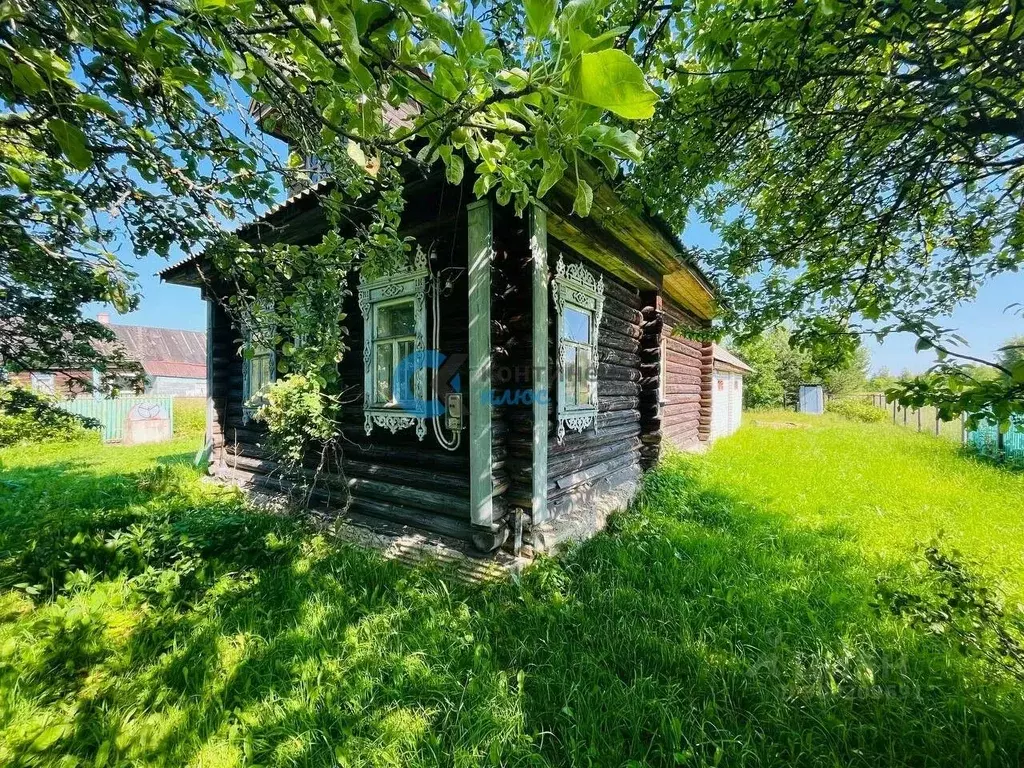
point(259, 373)
point(404, 350)
point(570, 376)
point(395, 320)
point(382, 376)
point(576, 325)
point(583, 376)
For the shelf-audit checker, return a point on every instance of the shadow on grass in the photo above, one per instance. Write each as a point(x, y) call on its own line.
point(698, 631)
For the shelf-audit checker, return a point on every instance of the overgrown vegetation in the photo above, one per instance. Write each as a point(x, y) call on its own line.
point(863, 163)
point(148, 618)
point(303, 429)
point(27, 416)
point(189, 416)
point(855, 410)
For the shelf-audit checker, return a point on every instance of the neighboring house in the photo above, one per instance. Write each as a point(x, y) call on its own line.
point(727, 392)
point(570, 381)
point(174, 362)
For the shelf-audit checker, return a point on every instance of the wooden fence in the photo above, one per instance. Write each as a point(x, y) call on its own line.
point(985, 439)
point(989, 441)
point(921, 419)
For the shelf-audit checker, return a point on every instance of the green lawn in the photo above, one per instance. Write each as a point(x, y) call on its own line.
point(741, 614)
point(893, 490)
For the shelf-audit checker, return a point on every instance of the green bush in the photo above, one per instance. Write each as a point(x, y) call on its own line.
point(855, 410)
point(27, 416)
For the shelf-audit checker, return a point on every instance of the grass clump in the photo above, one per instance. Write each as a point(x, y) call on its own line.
point(856, 410)
point(150, 619)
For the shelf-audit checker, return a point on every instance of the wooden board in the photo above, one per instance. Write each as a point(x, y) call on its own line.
point(539, 341)
point(480, 246)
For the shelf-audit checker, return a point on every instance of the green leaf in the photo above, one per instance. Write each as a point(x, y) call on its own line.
point(539, 15)
point(415, 7)
point(455, 169)
point(922, 345)
point(19, 177)
point(26, 79)
point(72, 142)
point(552, 175)
point(96, 104)
point(610, 79)
point(349, 34)
point(622, 143)
point(584, 198)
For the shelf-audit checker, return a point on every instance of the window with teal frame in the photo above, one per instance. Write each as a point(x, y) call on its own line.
point(579, 299)
point(394, 313)
point(259, 370)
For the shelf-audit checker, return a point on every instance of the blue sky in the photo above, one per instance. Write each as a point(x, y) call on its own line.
point(984, 322)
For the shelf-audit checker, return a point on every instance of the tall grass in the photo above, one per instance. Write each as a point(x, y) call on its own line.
point(189, 416)
point(149, 619)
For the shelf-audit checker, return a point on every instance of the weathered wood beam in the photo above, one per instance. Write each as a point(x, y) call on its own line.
point(539, 342)
point(480, 230)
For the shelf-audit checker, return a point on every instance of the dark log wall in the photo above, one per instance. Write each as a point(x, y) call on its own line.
point(226, 378)
point(650, 388)
point(707, 365)
point(392, 476)
point(400, 478)
point(589, 469)
point(512, 362)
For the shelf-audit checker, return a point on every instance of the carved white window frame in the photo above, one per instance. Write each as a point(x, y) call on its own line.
point(409, 282)
point(577, 287)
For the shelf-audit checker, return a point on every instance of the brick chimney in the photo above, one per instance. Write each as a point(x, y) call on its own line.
point(103, 317)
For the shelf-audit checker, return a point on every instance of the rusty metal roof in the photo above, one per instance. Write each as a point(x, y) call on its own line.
point(175, 370)
point(724, 356)
point(165, 351)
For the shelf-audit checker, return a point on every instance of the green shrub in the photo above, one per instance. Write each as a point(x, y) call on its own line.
point(298, 415)
point(855, 410)
point(27, 416)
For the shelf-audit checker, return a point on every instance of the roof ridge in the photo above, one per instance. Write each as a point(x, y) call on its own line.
point(152, 328)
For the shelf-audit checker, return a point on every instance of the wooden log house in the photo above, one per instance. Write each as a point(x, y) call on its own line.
point(567, 371)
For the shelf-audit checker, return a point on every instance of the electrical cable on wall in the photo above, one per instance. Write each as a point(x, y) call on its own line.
point(453, 441)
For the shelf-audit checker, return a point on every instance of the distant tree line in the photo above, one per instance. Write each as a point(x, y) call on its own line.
point(780, 369)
